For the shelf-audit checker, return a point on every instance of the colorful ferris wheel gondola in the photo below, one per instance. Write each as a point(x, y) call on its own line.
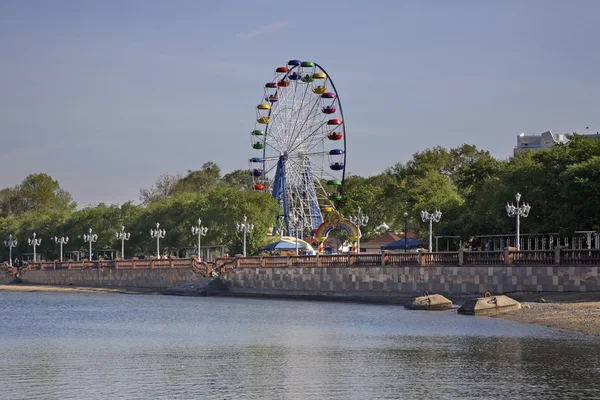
point(300, 141)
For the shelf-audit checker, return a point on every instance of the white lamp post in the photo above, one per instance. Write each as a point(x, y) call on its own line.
point(158, 234)
point(200, 231)
point(34, 242)
point(297, 226)
point(431, 218)
point(123, 236)
point(518, 211)
point(245, 227)
point(10, 243)
point(61, 240)
point(281, 222)
point(359, 220)
point(90, 238)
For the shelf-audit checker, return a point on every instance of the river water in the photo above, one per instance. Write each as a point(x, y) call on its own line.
point(113, 346)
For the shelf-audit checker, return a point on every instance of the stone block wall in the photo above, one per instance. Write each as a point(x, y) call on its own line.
point(353, 281)
point(400, 280)
point(158, 278)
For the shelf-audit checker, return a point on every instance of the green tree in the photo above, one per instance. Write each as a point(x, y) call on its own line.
point(175, 214)
point(163, 188)
point(37, 192)
point(240, 179)
point(582, 182)
point(470, 167)
point(202, 180)
point(368, 194)
point(104, 220)
point(226, 208)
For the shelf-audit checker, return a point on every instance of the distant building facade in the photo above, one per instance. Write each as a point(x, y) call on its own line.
point(536, 142)
point(547, 139)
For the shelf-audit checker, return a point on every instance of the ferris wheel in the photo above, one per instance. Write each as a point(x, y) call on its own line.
point(300, 141)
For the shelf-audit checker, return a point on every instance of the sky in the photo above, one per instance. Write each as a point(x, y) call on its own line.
point(105, 96)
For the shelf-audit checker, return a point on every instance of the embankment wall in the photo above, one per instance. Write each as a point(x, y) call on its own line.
point(390, 281)
point(159, 278)
point(343, 281)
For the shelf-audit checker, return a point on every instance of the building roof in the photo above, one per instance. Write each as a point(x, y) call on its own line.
point(409, 243)
point(380, 240)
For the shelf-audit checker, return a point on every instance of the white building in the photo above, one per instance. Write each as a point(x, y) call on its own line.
point(536, 142)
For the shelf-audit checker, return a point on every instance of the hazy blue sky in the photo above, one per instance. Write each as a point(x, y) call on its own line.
point(107, 95)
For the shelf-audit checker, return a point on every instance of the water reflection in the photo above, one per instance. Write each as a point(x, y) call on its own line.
point(89, 346)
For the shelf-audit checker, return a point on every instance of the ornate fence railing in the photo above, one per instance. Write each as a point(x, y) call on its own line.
point(533, 257)
point(483, 258)
point(580, 257)
point(367, 260)
point(275, 261)
point(112, 264)
point(558, 256)
point(402, 259)
point(334, 260)
point(303, 261)
point(440, 258)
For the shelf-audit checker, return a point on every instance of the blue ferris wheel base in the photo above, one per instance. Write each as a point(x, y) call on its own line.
point(280, 193)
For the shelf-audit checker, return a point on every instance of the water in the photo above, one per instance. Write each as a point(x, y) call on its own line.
point(110, 346)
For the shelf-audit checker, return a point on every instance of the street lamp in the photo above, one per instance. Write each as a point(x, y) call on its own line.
point(518, 211)
point(158, 234)
point(405, 227)
point(382, 228)
point(431, 218)
point(359, 220)
point(245, 227)
point(61, 240)
point(34, 242)
point(123, 236)
point(200, 231)
point(90, 238)
point(280, 223)
point(10, 243)
point(296, 223)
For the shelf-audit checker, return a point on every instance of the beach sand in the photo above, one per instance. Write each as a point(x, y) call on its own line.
point(74, 289)
point(578, 312)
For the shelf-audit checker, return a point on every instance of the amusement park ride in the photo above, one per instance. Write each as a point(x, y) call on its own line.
point(300, 141)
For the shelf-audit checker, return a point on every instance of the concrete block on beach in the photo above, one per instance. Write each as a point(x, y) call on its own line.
point(489, 305)
point(430, 302)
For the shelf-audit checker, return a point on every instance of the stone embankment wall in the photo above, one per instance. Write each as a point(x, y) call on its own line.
point(364, 276)
point(386, 281)
point(147, 273)
point(158, 278)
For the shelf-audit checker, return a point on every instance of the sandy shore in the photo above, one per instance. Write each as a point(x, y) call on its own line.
point(74, 289)
point(572, 311)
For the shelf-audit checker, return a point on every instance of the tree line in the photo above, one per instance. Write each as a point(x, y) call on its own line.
point(470, 187)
